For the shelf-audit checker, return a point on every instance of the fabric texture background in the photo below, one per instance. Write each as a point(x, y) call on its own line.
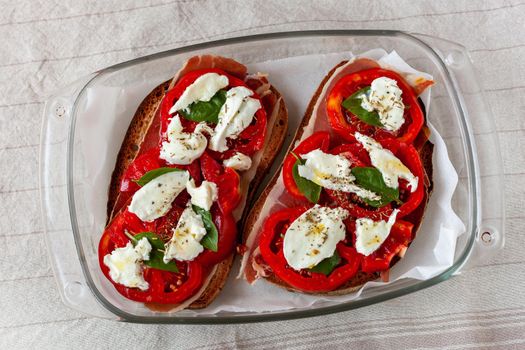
point(46, 44)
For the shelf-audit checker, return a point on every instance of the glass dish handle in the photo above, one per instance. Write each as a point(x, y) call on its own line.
point(59, 239)
point(490, 235)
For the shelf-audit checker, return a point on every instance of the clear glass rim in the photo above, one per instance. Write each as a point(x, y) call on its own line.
point(471, 162)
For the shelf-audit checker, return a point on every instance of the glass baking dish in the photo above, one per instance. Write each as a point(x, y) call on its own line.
point(73, 225)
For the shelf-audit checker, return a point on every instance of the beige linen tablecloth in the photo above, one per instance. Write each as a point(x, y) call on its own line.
point(45, 44)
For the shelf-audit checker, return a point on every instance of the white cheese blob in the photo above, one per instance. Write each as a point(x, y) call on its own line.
point(184, 147)
point(332, 172)
point(385, 98)
point(235, 116)
point(202, 89)
point(391, 168)
point(238, 161)
point(153, 200)
point(371, 234)
point(313, 236)
point(125, 264)
point(204, 195)
point(143, 248)
point(185, 245)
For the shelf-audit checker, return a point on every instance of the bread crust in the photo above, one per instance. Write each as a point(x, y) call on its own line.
point(142, 124)
point(137, 130)
point(360, 278)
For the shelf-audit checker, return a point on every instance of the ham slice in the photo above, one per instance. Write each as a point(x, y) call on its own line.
point(210, 61)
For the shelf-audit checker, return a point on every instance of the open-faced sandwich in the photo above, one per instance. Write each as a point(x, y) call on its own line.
point(192, 157)
point(353, 187)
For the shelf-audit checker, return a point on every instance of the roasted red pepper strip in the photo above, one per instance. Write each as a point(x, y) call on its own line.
point(350, 201)
point(360, 158)
point(409, 156)
point(249, 141)
point(272, 253)
point(346, 124)
point(398, 239)
point(319, 140)
point(164, 287)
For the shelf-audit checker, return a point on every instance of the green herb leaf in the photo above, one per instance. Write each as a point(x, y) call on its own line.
point(371, 179)
point(155, 241)
point(310, 189)
point(201, 111)
point(353, 104)
point(327, 265)
point(211, 240)
point(156, 255)
point(150, 175)
point(156, 262)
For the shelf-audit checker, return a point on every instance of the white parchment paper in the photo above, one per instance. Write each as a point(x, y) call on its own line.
point(297, 78)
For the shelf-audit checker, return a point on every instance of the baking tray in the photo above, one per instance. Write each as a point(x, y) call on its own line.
point(457, 110)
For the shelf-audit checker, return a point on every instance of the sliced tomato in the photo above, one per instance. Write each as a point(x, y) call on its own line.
point(249, 141)
point(140, 166)
point(167, 287)
point(398, 239)
point(164, 225)
point(226, 227)
point(346, 124)
point(272, 252)
point(319, 140)
point(164, 287)
point(360, 158)
point(226, 179)
point(149, 161)
point(125, 221)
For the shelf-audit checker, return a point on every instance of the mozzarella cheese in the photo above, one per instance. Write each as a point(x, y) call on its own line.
point(153, 200)
point(391, 168)
point(332, 172)
point(204, 195)
point(238, 161)
point(185, 245)
point(125, 264)
point(184, 147)
point(371, 234)
point(202, 89)
point(385, 98)
point(313, 236)
point(235, 116)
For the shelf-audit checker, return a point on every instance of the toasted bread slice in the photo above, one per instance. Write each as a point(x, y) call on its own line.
point(143, 132)
point(425, 150)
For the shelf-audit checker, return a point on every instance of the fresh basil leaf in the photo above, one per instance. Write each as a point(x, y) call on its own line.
point(353, 104)
point(327, 265)
point(156, 262)
point(211, 240)
point(155, 241)
point(156, 256)
point(150, 175)
point(308, 188)
point(371, 179)
point(201, 111)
